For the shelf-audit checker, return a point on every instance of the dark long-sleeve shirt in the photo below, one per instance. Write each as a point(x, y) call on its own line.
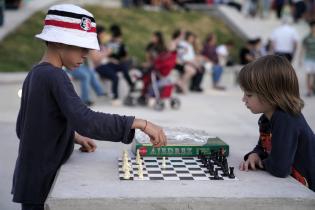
point(50, 112)
point(287, 146)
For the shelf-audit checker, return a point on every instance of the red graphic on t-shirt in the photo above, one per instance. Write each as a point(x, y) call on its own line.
point(265, 139)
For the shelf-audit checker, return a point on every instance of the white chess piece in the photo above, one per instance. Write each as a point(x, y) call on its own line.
point(163, 163)
point(141, 175)
point(138, 157)
point(140, 162)
point(125, 154)
point(140, 172)
point(138, 152)
point(127, 174)
point(126, 165)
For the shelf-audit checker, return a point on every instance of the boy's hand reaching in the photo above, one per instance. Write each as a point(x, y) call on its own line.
point(251, 163)
point(156, 133)
point(87, 144)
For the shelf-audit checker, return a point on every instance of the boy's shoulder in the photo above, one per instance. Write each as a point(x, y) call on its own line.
point(280, 116)
point(44, 67)
point(47, 71)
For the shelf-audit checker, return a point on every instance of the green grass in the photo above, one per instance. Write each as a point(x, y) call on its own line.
point(20, 50)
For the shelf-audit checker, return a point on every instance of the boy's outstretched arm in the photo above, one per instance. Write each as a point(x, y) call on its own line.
point(97, 125)
point(156, 134)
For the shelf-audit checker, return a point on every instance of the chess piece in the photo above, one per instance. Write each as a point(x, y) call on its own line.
point(231, 174)
point(225, 167)
point(204, 160)
point(224, 162)
point(125, 153)
point(199, 154)
point(163, 163)
point(216, 174)
point(138, 157)
point(139, 162)
point(125, 156)
point(140, 175)
point(140, 172)
point(126, 166)
point(211, 168)
point(127, 174)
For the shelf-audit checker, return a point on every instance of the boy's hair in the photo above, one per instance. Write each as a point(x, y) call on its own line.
point(274, 80)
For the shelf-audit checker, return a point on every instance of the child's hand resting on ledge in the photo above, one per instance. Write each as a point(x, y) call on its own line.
point(251, 163)
point(87, 144)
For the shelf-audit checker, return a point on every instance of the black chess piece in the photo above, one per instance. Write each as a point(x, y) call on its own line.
point(199, 154)
point(204, 161)
point(231, 174)
point(224, 164)
point(224, 161)
point(225, 171)
point(202, 157)
point(212, 154)
point(225, 167)
point(222, 152)
point(208, 161)
point(216, 174)
point(211, 169)
point(220, 160)
point(216, 160)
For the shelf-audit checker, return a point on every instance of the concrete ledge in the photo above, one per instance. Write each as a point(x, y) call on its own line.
point(187, 203)
point(90, 181)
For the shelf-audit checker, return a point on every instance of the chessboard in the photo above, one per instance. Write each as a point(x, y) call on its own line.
point(178, 168)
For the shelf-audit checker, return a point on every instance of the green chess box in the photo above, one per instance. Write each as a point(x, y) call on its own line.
point(181, 143)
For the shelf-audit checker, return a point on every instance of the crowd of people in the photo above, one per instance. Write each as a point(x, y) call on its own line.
point(191, 62)
point(194, 60)
point(297, 8)
point(262, 8)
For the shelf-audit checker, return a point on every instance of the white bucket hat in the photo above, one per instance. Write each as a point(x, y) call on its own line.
point(71, 25)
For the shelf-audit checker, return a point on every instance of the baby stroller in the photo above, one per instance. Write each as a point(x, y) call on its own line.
point(157, 83)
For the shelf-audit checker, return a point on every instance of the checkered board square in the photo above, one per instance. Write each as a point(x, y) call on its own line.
point(177, 168)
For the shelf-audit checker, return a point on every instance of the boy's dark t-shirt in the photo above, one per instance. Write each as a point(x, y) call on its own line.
point(287, 147)
point(50, 112)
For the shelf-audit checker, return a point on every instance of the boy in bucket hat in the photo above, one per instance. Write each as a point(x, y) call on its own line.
point(52, 117)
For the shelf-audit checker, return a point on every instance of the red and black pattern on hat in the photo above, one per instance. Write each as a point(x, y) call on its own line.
point(70, 20)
